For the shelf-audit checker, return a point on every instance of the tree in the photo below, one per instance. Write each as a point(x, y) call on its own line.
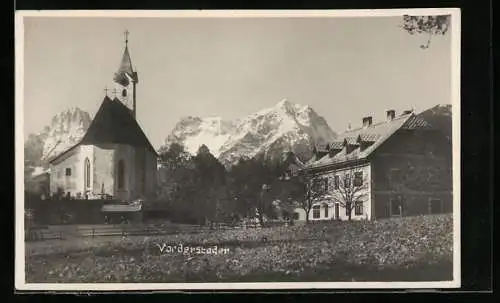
point(174, 156)
point(350, 189)
point(174, 170)
point(211, 173)
point(252, 188)
point(210, 180)
point(430, 25)
point(303, 192)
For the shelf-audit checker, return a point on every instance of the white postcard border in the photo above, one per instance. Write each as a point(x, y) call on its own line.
point(20, 283)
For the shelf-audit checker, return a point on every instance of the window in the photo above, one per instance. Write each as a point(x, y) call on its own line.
point(320, 185)
point(336, 182)
point(435, 206)
point(326, 210)
point(358, 208)
point(316, 185)
point(296, 216)
point(347, 181)
point(395, 176)
point(316, 212)
point(87, 173)
point(358, 178)
point(325, 184)
point(68, 171)
point(396, 206)
point(121, 174)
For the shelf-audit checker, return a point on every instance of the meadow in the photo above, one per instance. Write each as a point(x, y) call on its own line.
point(399, 249)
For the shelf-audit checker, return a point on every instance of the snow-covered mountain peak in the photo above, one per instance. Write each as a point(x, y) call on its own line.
point(286, 126)
point(65, 129)
point(291, 108)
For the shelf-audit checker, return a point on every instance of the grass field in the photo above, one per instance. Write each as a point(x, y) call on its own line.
point(403, 249)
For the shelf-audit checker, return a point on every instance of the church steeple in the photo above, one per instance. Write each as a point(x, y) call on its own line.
point(127, 78)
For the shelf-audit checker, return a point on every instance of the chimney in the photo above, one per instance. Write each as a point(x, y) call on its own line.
point(406, 112)
point(367, 121)
point(390, 114)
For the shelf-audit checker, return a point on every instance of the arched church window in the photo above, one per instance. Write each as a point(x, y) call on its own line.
point(87, 173)
point(124, 93)
point(121, 174)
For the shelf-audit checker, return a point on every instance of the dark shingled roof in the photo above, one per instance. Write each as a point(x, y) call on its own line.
point(375, 134)
point(113, 123)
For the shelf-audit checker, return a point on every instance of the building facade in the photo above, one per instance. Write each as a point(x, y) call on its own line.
point(398, 167)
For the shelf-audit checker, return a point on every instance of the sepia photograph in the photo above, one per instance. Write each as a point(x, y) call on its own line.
point(160, 150)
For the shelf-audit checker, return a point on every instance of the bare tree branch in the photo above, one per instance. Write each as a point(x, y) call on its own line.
point(351, 190)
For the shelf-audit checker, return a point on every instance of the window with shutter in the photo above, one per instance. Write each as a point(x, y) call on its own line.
point(358, 178)
point(347, 181)
point(358, 208)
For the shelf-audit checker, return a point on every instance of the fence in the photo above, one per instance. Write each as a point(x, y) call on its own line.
point(64, 211)
point(80, 231)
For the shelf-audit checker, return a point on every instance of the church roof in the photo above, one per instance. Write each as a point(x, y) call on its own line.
point(113, 123)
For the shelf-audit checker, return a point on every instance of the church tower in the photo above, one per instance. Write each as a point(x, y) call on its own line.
point(126, 80)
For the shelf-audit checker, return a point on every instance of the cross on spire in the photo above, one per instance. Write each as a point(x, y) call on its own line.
point(106, 90)
point(126, 36)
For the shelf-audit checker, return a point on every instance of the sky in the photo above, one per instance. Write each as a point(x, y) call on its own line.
point(344, 68)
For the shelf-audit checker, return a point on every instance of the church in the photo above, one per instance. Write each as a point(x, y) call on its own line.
point(114, 159)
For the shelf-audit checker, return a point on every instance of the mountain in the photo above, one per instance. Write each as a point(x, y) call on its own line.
point(268, 132)
point(65, 130)
point(439, 117)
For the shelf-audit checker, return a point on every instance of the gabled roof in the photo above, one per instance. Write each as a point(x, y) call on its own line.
point(113, 123)
point(373, 135)
point(336, 145)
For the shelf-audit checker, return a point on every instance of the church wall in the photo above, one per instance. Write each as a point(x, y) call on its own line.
point(146, 175)
point(65, 174)
point(86, 152)
point(127, 154)
point(151, 173)
point(140, 184)
point(103, 169)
